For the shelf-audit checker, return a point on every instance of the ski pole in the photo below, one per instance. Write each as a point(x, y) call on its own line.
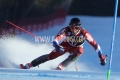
point(27, 32)
point(112, 42)
point(76, 67)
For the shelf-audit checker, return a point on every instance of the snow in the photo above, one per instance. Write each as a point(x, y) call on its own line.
point(23, 49)
point(17, 74)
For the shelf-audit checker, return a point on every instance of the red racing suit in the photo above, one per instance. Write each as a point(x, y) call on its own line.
point(72, 43)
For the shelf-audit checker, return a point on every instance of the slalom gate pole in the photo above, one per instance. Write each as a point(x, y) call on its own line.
point(27, 32)
point(35, 37)
point(112, 42)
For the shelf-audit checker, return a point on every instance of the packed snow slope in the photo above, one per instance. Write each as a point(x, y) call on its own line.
point(23, 48)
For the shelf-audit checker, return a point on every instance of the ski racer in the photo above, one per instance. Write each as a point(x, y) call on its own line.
point(70, 39)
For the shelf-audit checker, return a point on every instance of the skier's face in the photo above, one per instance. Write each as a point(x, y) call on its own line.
point(75, 29)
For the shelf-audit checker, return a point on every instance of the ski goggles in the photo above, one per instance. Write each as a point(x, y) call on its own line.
point(75, 27)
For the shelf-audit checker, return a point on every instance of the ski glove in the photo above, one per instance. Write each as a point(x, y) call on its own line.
point(58, 47)
point(102, 59)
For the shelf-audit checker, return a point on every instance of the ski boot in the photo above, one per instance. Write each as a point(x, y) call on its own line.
point(27, 66)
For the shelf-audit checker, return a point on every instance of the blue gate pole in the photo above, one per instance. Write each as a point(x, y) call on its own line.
point(112, 43)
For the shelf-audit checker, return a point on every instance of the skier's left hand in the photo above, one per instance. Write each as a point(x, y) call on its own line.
point(102, 59)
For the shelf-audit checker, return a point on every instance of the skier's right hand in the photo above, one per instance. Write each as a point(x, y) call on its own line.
point(102, 59)
point(58, 47)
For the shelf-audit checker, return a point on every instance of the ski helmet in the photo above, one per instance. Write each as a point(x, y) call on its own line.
point(75, 22)
point(74, 25)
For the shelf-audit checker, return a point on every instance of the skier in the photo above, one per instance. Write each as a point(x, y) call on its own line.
point(69, 39)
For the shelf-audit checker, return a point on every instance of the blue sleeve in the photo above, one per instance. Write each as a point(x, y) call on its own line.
point(100, 52)
point(54, 43)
